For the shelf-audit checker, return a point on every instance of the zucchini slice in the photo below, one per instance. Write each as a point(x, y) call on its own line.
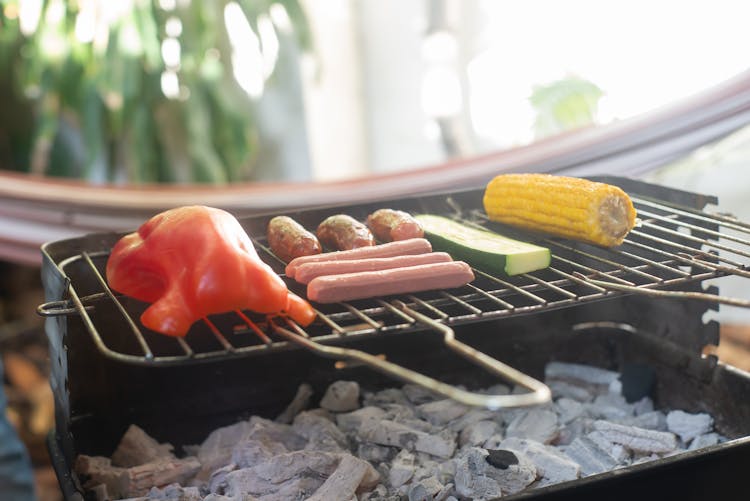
point(483, 249)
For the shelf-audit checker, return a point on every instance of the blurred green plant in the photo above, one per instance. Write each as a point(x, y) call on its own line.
point(138, 91)
point(564, 104)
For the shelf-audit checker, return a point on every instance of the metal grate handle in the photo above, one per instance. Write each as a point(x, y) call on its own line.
point(539, 393)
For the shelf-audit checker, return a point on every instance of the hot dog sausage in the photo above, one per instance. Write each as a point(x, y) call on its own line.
point(366, 284)
point(388, 225)
point(343, 232)
point(308, 271)
point(400, 248)
point(288, 239)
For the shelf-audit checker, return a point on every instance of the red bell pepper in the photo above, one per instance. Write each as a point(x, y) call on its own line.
point(195, 261)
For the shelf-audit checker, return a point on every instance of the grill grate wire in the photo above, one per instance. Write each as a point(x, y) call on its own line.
point(671, 247)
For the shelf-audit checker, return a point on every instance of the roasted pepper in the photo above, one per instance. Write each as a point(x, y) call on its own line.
point(195, 261)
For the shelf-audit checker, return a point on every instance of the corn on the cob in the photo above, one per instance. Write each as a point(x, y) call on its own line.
point(573, 208)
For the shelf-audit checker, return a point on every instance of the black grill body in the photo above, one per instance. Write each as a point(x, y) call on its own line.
point(180, 399)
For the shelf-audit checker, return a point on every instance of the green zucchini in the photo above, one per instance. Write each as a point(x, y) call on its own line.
point(483, 249)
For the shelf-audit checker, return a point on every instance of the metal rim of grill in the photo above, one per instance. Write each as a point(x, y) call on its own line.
point(672, 246)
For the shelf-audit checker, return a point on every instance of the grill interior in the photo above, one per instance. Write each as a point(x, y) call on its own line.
point(673, 248)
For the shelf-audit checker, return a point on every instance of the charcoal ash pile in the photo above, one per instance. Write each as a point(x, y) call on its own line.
point(406, 443)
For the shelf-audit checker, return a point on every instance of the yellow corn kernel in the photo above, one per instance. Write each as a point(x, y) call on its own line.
point(569, 207)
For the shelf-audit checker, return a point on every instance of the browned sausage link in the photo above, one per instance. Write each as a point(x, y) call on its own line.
point(343, 232)
point(388, 225)
point(288, 239)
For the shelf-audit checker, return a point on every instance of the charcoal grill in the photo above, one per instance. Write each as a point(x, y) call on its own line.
point(642, 302)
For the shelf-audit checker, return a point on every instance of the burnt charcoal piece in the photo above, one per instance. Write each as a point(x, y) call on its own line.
point(637, 381)
point(500, 458)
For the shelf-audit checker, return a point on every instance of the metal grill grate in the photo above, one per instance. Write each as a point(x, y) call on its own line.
point(673, 246)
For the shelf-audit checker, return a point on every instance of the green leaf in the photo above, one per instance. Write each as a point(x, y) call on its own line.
point(207, 165)
point(564, 104)
point(92, 125)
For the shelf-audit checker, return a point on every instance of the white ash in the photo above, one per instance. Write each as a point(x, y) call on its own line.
point(173, 492)
point(375, 453)
point(387, 396)
point(299, 403)
point(580, 373)
point(138, 480)
point(402, 469)
point(494, 441)
point(136, 447)
point(478, 476)
point(568, 410)
point(216, 451)
point(406, 443)
point(402, 413)
point(689, 426)
point(617, 451)
point(654, 420)
point(478, 433)
point(474, 416)
point(429, 489)
point(98, 471)
point(341, 396)
point(643, 406)
point(418, 395)
point(590, 457)
point(352, 421)
point(250, 452)
point(570, 390)
point(441, 444)
point(610, 406)
point(572, 430)
point(351, 475)
point(295, 475)
point(537, 423)
point(321, 433)
point(706, 440)
point(552, 465)
point(442, 412)
point(637, 439)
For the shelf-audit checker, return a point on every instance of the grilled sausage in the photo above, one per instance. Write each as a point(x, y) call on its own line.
point(403, 247)
point(367, 284)
point(388, 225)
point(342, 232)
point(288, 239)
point(308, 271)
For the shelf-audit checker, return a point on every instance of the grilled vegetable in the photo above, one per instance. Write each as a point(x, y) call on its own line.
point(573, 208)
point(483, 249)
point(191, 262)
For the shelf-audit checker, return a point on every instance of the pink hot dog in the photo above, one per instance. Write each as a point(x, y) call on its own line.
point(366, 284)
point(308, 271)
point(400, 248)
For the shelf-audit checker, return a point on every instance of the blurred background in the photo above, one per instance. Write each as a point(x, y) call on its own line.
point(279, 93)
point(173, 91)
